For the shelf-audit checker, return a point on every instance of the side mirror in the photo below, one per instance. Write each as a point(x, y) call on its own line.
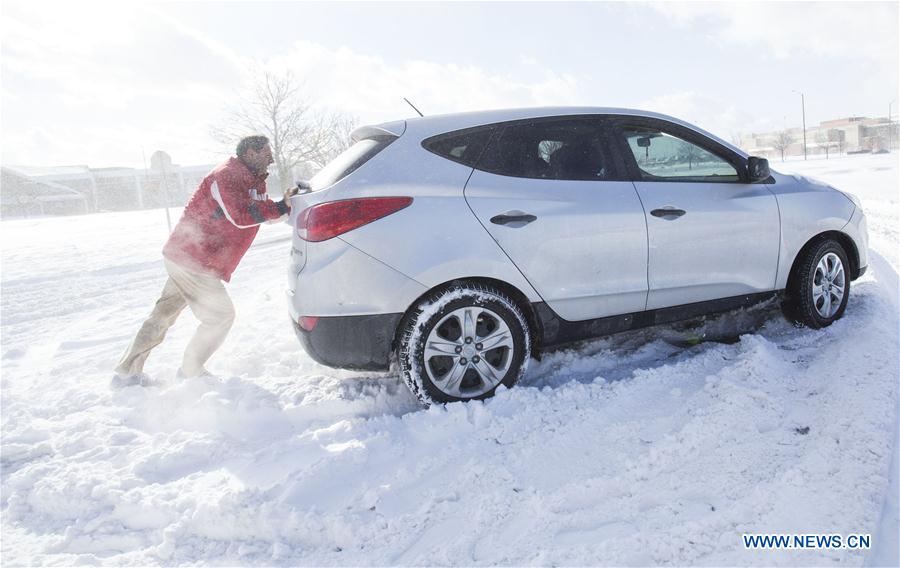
point(758, 168)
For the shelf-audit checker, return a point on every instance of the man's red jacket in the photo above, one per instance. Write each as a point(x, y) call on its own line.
point(221, 220)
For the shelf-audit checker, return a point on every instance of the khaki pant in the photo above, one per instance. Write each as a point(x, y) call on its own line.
point(208, 300)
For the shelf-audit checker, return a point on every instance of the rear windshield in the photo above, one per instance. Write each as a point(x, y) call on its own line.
point(349, 160)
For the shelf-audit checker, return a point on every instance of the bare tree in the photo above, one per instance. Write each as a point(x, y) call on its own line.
point(782, 141)
point(297, 130)
point(337, 128)
point(840, 141)
point(822, 140)
point(689, 151)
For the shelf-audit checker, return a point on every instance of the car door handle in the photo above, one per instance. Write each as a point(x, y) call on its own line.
point(668, 213)
point(514, 219)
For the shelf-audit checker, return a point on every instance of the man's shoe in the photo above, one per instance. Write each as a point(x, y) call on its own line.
point(121, 381)
point(203, 374)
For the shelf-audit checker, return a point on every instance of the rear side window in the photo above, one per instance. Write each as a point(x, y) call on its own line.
point(463, 146)
point(349, 160)
point(560, 149)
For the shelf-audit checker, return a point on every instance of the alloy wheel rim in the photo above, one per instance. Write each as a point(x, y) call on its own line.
point(829, 285)
point(468, 352)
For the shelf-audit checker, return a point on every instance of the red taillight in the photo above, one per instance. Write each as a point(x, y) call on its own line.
point(308, 323)
point(326, 220)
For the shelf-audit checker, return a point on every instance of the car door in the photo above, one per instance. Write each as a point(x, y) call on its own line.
point(550, 192)
point(711, 234)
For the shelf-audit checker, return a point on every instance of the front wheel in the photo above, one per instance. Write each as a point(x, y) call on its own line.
point(462, 343)
point(818, 293)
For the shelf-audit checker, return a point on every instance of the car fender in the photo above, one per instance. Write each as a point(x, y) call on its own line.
point(807, 208)
point(442, 241)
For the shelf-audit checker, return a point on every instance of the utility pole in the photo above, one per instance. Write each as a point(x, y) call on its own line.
point(803, 108)
point(158, 161)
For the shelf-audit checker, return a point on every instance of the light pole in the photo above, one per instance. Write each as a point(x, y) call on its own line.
point(803, 109)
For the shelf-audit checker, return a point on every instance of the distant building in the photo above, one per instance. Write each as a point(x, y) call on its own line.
point(854, 134)
point(22, 196)
point(71, 190)
point(68, 190)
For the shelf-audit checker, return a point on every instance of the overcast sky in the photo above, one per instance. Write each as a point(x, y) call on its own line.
point(104, 84)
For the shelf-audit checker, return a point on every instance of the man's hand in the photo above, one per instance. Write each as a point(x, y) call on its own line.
point(288, 193)
point(299, 189)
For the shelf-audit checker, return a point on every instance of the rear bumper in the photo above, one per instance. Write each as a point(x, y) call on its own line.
point(351, 342)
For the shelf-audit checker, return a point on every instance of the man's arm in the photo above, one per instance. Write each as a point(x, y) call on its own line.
point(239, 205)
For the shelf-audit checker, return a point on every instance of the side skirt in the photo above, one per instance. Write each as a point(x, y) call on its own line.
point(557, 331)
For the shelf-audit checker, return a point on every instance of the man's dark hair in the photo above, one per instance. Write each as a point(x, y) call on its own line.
point(251, 142)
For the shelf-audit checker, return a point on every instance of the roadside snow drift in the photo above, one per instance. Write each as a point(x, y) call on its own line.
point(662, 446)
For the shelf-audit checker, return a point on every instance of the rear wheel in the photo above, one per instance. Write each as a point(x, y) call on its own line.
point(462, 343)
point(818, 293)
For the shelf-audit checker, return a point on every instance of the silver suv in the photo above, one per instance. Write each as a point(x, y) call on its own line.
point(461, 245)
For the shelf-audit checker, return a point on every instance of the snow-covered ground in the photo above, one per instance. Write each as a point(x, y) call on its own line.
point(637, 449)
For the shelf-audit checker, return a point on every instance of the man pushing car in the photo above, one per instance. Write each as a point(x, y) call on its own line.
point(217, 227)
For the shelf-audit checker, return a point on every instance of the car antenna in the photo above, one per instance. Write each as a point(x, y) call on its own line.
point(414, 107)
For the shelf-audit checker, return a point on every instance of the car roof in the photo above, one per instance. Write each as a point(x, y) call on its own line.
point(423, 127)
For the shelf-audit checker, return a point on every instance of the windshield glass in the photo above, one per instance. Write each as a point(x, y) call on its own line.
point(349, 160)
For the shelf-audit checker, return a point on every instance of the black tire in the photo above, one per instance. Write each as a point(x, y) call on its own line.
point(805, 302)
point(438, 320)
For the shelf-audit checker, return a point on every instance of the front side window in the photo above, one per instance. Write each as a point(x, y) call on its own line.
point(561, 149)
point(663, 157)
